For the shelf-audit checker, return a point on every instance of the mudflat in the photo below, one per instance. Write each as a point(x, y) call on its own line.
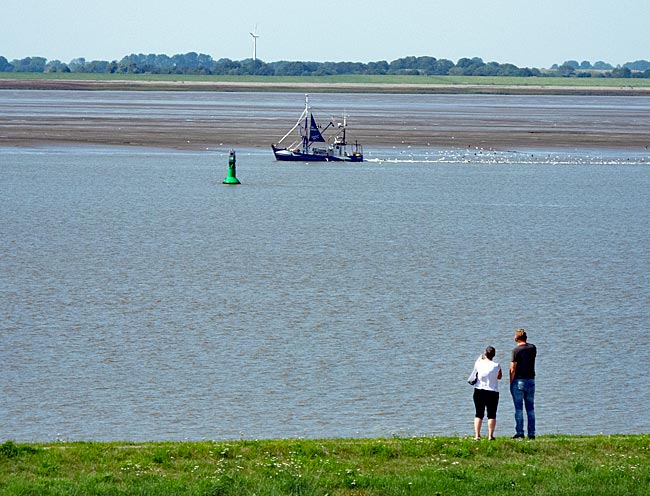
point(496, 126)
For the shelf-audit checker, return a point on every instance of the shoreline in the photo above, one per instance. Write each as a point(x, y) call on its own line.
point(550, 465)
point(469, 437)
point(318, 87)
point(41, 126)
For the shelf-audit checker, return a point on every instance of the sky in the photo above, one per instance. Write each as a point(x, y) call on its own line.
point(527, 33)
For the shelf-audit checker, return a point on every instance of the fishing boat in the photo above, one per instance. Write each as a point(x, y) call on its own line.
point(311, 144)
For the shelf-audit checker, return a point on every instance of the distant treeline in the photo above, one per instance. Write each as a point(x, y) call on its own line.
point(196, 63)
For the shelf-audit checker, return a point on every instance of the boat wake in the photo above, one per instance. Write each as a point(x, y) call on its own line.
point(492, 157)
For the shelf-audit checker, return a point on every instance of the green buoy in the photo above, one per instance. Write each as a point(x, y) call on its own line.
point(231, 178)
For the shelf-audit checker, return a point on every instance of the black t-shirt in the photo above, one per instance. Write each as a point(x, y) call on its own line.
point(524, 356)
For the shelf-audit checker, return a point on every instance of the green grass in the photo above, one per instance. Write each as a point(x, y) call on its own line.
point(547, 82)
point(599, 465)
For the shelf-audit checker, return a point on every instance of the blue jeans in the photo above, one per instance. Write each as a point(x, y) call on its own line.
point(523, 393)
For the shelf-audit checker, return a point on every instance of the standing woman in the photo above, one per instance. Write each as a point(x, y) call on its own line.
point(486, 392)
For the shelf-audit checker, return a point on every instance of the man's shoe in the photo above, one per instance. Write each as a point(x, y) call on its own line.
point(518, 436)
point(531, 437)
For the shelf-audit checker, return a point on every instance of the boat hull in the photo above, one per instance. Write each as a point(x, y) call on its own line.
point(285, 155)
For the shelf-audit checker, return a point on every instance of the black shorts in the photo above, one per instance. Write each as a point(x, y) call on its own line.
point(483, 400)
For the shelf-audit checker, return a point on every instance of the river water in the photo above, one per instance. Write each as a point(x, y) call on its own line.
point(142, 299)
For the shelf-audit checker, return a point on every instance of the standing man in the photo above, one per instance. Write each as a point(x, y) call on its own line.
point(522, 383)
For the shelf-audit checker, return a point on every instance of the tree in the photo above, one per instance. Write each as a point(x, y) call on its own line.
point(467, 67)
point(621, 72)
point(349, 68)
point(639, 65)
point(128, 65)
point(255, 67)
point(76, 64)
point(566, 70)
point(29, 64)
point(397, 66)
point(226, 66)
point(380, 67)
point(426, 65)
point(5, 66)
point(509, 70)
point(197, 63)
point(489, 69)
point(56, 66)
point(602, 66)
point(95, 67)
point(292, 69)
point(112, 67)
point(442, 68)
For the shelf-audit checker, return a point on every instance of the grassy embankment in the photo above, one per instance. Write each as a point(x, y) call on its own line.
point(457, 84)
point(551, 465)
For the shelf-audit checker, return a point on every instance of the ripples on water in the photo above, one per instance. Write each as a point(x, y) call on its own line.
point(142, 299)
point(529, 157)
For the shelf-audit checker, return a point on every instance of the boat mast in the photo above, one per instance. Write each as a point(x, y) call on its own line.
point(305, 137)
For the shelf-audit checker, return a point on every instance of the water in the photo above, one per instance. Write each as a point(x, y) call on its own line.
point(141, 299)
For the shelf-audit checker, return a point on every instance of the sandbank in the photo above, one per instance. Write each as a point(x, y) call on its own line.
point(176, 132)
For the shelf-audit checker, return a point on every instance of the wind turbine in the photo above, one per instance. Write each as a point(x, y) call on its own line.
point(255, 36)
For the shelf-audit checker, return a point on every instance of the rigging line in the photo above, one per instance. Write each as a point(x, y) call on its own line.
point(302, 116)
